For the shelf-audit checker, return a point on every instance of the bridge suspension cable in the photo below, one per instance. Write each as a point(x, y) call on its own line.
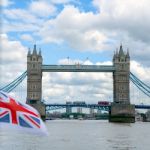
point(8, 88)
point(140, 82)
point(140, 85)
point(136, 81)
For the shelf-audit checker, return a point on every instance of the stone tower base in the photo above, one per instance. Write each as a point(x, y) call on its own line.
point(123, 113)
point(40, 107)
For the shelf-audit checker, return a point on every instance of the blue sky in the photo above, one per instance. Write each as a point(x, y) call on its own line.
point(53, 51)
point(78, 29)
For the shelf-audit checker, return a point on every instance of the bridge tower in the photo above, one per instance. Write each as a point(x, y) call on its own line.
point(34, 81)
point(121, 109)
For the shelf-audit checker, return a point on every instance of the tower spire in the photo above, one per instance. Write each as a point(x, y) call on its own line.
point(40, 52)
point(34, 50)
point(127, 55)
point(29, 52)
point(117, 52)
point(114, 56)
point(121, 53)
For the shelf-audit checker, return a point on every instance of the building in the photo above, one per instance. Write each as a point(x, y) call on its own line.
point(91, 111)
point(68, 108)
point(148, 116)
point(79, 110)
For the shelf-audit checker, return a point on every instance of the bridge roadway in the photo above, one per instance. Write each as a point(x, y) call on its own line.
point(95, 106)
point(78, 68)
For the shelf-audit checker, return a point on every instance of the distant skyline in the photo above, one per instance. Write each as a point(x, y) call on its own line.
point(75, 31)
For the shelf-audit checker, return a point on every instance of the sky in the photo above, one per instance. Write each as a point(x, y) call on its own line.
point(70, 32)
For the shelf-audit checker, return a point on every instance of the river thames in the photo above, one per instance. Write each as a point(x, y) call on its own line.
point(81, 135)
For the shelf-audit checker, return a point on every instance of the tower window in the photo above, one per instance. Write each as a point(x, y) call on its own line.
point(33, 65)
point(34, 59)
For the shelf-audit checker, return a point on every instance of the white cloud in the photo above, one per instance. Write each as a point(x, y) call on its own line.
point(125, 15)
point(141, 71)
point(11, 51)
point(75, 28)
point(27, 37)
point(60, 1)
point(42, 8)
point(68, 61)
point(117, 21)
point(90, 87)
point(19, 27)
point(21, 15)
point(5, 3)
point(12, 61)
point(19, 20)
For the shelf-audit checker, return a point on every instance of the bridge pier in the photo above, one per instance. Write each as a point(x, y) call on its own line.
point(41, 108)
point(123, 113)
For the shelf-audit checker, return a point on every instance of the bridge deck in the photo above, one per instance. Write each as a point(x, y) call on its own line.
point(92, 106)
point(78, 68)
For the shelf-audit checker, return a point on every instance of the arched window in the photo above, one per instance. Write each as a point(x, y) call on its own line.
point(34, 65)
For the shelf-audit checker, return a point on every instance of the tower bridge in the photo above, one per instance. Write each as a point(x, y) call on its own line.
point(121, 110)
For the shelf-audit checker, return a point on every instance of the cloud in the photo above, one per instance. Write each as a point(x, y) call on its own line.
point(77, 30)
point(5, 3)
point(12, 52)
point(20, 20)
point(13, 59)
point(17, 14)
point(91, 87)
point(116, 22)
point(76, 87)
point(29, 19)
point(27, 37)
point(60, 1)
point(125, 15)
point(60, 87)
point(141, 71)
point(42, 8)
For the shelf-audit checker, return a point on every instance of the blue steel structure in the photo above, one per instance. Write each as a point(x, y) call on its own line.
point(50, 107)
point(78, 68)
point(60, 106)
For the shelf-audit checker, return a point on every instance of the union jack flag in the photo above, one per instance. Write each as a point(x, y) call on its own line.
point(18, 114)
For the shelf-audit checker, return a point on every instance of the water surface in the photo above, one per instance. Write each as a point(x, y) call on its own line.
point(81, 135)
